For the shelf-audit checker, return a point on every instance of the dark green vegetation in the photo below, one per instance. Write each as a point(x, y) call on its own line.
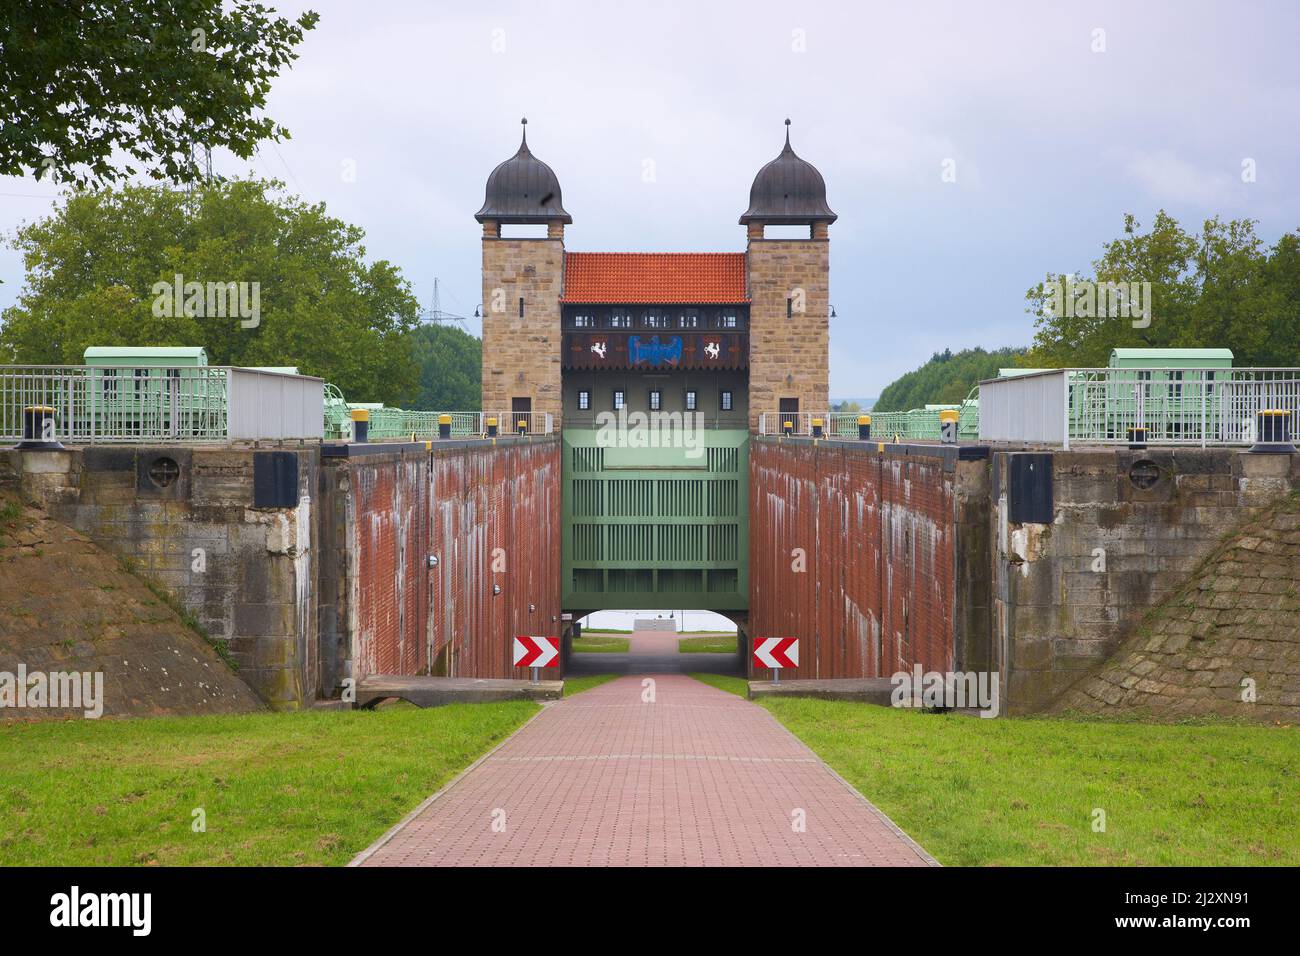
point(275, 789)
point(1219, 287)
point(451, 368)
point(82, 81)
point(93, 264)
point(946, 379)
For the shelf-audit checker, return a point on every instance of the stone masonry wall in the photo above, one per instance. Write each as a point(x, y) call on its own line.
point(245, 573)
point(1069, 592)
point(789, 357)
point(1226, 643)
point(521, 357)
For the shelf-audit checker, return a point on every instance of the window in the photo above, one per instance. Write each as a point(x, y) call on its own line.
point(689, 321)
point(690, 399)
point(584, 399)
point(584, 321)
point(724, 401)
point(727, 320)
point(140, 375)
point(655, 399)
point(110, 381)
point(656, 320)
point(620, 320)
point(619, 399)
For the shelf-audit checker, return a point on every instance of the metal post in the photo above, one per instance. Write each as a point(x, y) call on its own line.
point(776, 675)
point(537, 671)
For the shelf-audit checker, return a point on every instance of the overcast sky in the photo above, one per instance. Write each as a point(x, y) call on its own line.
point(1052, 142)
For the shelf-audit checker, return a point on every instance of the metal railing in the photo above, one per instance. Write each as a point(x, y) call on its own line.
point(400, 424)
point(1164, 406)
point(161, 404)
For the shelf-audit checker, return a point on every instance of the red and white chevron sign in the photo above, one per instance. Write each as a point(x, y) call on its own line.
point(537, 651)
point(776, 652)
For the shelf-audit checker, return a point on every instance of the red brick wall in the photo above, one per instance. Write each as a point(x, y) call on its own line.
point(490, 514)
point(879, 534)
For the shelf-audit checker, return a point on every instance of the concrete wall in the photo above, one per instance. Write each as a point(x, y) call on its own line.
point(882, 532)
point(245, 572)
point(1069, 591)
point(489, 513)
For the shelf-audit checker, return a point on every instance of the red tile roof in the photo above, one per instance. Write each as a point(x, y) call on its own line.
point(653, 277)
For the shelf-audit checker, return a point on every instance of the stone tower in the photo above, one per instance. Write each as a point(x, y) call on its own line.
point(789, 288)
point(522, 283)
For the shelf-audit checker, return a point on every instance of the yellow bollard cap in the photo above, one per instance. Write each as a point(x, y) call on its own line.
point(864, 419)
point(949, 415)
point(361, 414)
point(444, 419)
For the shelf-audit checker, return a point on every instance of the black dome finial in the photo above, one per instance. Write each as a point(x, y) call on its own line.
point(788, 191)
point(523, 189)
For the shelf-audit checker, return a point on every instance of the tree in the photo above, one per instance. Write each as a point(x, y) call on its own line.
point(451, 368)
point(101, 270)
point(149, 78)
point(1221, 288)
point(946, 379)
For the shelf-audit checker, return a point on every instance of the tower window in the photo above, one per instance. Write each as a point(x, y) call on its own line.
point(690, 399)
point(521, 307)
point(727, 320)
point(584, 399)
point(620, 320)
point(655, 399)
point(654, 320)
point(620, 399)
point(724, 401)
point(689, 321)
point(584, 321)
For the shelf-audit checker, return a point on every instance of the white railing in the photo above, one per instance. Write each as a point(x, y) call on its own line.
point(782, 423)
point(161, 404)
point(1160, 406)
point(535, 423)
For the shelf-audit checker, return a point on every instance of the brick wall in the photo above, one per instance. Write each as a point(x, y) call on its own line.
point(789, 357)
point(881, 532)
point(521, 357)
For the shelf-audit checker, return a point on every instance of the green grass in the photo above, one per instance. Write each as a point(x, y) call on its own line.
point(713, 644)
point(277, 789)
point(576, 685)
point(600, 644)
point(605, 630)
point(732, 685)
point(1023, 791)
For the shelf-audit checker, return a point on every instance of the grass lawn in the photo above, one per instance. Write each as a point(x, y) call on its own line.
point(711, 644)
point(576, 685)
point(285, 789)
point(599, 644)
point(1022, 791)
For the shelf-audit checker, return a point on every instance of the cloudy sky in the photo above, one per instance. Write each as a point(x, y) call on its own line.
point(1052, 139)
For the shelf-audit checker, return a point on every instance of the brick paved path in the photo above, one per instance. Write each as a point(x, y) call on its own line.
point(697, 777)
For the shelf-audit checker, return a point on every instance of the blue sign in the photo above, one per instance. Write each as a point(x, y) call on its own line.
point(654, 352)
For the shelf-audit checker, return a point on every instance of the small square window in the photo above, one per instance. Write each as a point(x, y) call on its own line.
point(620, 320)
point(584, 399)
point(584, 321)
point(619, 399)
point(690, 399)
point(655, 399)
point(727, 320)
point(689, 321)
point(725, 401)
